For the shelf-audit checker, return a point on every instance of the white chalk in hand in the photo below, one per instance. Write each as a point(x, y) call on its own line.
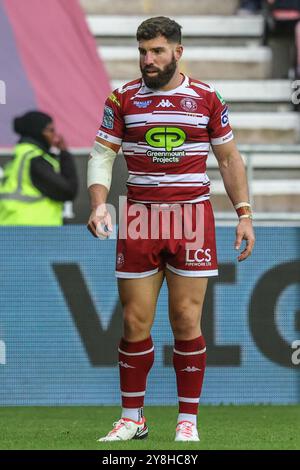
point(102, 228)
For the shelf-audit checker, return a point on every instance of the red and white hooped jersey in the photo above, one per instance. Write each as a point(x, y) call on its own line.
point(165, 137)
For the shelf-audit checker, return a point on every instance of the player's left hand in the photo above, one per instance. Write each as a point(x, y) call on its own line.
point(244, 231)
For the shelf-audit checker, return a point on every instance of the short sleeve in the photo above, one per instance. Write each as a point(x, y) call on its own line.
point(219, 128)
point(112, 127)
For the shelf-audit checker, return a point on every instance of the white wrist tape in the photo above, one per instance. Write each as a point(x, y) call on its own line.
point(100, 165)
point(242, 204)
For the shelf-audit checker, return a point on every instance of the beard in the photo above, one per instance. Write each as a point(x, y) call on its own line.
point(163, 76)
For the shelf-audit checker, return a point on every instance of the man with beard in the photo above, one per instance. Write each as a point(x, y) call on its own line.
point(165, 122)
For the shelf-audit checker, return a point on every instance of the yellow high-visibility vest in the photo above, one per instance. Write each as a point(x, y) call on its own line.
point(21, 203)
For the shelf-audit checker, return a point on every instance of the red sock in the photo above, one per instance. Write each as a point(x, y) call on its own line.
point(135, 362)
point(189, 360)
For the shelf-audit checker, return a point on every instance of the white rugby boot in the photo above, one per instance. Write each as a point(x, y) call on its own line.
point(126, 429)
point(186, 431)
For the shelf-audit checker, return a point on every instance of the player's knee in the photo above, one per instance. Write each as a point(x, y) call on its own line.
point(185, 321)
point(134, 322)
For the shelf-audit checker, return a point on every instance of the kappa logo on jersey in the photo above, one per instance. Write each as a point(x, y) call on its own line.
point(165, 104)
point(188, 104)
point(165, 137)
point(108, 118)
point(142, 104)
point(224, 117)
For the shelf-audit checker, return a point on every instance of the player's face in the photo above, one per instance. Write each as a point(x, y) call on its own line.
point(158, 61)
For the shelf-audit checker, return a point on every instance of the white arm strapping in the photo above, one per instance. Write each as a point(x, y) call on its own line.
point(100, 165)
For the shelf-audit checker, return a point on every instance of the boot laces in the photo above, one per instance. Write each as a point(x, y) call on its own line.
point(185, 428)
point(118, 425)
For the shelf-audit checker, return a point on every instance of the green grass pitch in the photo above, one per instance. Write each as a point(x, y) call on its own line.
point(221, 427)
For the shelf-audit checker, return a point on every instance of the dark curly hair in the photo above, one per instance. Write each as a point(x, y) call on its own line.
point(159, 26)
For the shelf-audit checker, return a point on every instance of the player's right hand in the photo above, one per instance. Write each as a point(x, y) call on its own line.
point(99, 223)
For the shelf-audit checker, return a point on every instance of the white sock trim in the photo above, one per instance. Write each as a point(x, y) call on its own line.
point(136, 354)
point(132, 394)
point(193, 353)
point(188, 400)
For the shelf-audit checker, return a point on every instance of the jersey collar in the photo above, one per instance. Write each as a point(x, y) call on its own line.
point(147, 91)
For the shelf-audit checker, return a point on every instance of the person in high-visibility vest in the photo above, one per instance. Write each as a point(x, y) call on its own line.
point(37, 182)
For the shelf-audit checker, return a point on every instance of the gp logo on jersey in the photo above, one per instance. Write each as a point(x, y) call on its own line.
point(165, 137)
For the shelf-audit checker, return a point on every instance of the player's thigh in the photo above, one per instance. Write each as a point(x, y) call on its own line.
point(139, 296)
point(186, 295)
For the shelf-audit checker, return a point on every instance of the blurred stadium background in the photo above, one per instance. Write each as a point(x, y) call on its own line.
point(59, 311)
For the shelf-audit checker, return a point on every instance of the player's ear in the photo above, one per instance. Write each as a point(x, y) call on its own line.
point(178, 51)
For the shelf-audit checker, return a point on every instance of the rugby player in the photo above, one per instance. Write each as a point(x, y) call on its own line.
point(165, 122)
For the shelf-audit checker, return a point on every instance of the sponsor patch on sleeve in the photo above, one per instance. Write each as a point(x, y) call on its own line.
point(224, 117)
point(114, 99)
point(108, 118)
